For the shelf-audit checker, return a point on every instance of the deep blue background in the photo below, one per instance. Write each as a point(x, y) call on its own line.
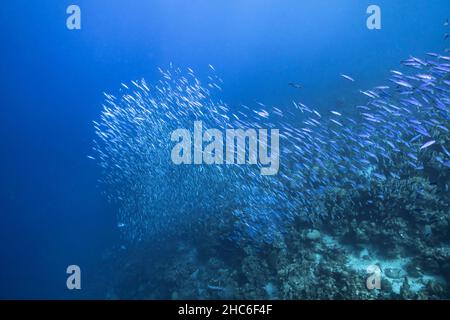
point(52, 79)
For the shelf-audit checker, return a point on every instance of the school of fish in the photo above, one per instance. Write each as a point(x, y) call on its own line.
point(403, 126)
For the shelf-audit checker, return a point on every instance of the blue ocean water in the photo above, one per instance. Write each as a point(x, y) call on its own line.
point(52, 82)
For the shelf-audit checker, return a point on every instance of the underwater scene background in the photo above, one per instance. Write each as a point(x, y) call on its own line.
point(358, 207)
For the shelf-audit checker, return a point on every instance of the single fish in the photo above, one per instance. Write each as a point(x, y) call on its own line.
point(426, 145)
point(336, 113)
point(347, 77)
point(295, 85)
